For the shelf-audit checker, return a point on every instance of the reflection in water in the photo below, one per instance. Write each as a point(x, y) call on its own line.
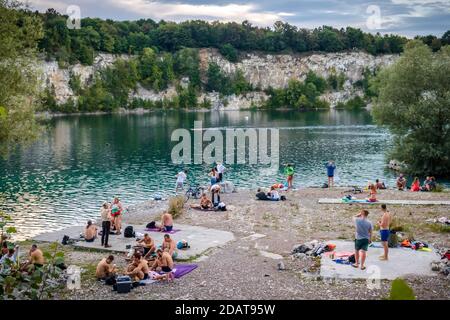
point(83, 160)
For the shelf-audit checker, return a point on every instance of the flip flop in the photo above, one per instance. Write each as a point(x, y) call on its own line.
point(355, 265)
point(363, 268)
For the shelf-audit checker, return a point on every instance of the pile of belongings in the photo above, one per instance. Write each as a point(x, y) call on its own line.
point(443, 220)
point(313, 248)
point(343, 257)
point(442, 266)
point(415, 245)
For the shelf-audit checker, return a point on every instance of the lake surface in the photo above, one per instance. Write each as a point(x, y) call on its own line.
point(81, 161)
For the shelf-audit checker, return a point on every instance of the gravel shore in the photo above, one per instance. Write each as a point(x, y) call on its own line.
point(239, 271)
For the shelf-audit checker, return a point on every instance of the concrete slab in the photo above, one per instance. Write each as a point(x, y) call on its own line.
point(270, 255)
point(402, 262)
point(199, 238)
point(399, 202)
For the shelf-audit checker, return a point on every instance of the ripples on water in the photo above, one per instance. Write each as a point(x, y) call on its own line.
point(62, 179)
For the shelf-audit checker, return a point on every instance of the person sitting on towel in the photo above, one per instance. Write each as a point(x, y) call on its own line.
point(273, 194)
point(105, 268)
point(261, 195)
point(170, 245)
point(138, 269)
point(401, 183)
point(148, 244)
point(90, 232)
point(205, 203)
point(166, 222)
point(164, 263)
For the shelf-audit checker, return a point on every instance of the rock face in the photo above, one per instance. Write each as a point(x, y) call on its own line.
point(58, 78)
point(261, 70)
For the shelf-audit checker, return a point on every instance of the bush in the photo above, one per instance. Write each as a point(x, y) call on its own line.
point(229, 52)
point(352, 104)
point(176, 205)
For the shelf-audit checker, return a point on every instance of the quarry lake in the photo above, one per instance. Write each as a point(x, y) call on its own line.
point(81, 161)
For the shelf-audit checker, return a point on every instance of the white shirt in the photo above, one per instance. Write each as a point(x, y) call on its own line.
point(181, 177)
point(274, 195)
point(220, 168)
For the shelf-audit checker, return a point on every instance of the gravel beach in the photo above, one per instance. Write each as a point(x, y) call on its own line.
point(239, 270)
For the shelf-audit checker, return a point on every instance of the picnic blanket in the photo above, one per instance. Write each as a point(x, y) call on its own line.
point(200, 209)
point(179, 270)
point(157, 230)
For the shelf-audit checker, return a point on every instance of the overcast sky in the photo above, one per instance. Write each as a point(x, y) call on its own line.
point(405, 17)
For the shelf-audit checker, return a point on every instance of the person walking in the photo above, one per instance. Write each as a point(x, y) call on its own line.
point(105, 213)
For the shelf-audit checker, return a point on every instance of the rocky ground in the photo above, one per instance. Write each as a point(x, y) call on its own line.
point(238, 270)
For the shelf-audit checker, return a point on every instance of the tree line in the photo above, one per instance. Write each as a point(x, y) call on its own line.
point(130, 37)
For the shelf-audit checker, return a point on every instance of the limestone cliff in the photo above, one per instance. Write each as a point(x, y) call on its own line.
point(261, 70)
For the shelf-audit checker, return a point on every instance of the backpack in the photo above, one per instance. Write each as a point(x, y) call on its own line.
point(352, 259)
point(129, 233)
point(182, 245)
point(65, 240)
point(151, 225)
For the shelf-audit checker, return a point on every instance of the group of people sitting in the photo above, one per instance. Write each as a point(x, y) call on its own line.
point(152, 262)
point(428, 185)
point(272, 195)
point(10, 254)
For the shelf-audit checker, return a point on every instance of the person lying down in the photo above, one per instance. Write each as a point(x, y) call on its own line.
point(272, 195)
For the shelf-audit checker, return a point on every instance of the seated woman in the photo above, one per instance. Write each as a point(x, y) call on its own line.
point(373, 193)
point(429, 184)
point(415, 185)
point(205, 203)
point(273, 194)
point(380, 184)
point(90, 232)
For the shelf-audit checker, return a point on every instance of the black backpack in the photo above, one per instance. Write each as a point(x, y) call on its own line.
point(151, 225)
point(129, 233)
point(65, 240)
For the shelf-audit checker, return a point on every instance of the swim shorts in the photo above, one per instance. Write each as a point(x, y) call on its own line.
point(166, 269)
point(384, 235)
point(168, 228)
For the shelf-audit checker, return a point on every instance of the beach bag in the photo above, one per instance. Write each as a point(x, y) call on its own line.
point(183, 245)
point(65, 240)
point(283, 198)
point(393, 240)
point(151, 225)
point(352, 259)
point(129, 233)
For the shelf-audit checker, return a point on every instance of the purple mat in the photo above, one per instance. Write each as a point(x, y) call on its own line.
point(157, 230)
point(182, 269)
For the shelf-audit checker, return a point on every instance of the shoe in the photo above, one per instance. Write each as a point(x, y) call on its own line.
point(382, 258)
point(108, 246)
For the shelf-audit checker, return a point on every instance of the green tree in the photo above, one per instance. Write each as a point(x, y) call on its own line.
point(229, 52)
point(414, 103)
point(19, 91)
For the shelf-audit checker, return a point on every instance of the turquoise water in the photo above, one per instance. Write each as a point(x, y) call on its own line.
point(81, 161)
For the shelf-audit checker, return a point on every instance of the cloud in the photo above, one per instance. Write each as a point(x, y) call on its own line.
point(406, 17)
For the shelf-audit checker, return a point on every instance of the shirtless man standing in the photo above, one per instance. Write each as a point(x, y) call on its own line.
point(148, 244)
point(105, 268)
point(170, 246)
point(164, 263)
point(384, 224)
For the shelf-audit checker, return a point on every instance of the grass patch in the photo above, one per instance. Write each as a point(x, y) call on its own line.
point(176, 205)
point(437, 227)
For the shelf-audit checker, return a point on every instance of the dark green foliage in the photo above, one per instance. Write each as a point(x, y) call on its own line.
point(352, 104)
point(299, 95)
point(413, 102)
point(224, 84)
point(133, 36)
point(336, 81)
point(229, 52)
